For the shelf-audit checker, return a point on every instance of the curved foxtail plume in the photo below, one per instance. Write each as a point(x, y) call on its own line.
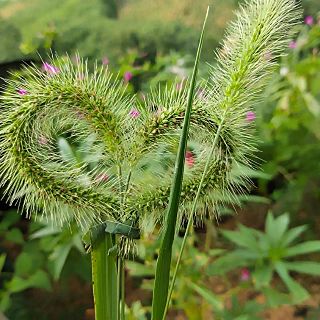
point(136, 142)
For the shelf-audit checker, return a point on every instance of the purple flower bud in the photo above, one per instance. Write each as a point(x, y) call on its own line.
point(22, 92)
point(102, 177)
point(134, 113)
point(76, 59)
point(179, 86)
point(245, 274)
point(267, 56)
point(80, 76)
point(127, 76)
point(292, 44)
point(250, 116)
point(190, 159)
point(308, 20)
point(43, 140)
point(105, 61)
point(50, 69)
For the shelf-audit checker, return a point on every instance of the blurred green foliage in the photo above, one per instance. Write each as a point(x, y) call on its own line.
point(289, 126)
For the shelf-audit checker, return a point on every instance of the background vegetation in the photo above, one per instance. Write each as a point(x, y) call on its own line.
point(46, 272)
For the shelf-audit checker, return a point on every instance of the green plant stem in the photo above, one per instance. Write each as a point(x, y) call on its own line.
point(190, 217)
point(120, 290)
point(123, 304)
point(103, 277)
point(162, 277)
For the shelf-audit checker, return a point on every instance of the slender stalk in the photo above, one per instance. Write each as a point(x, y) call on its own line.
point(103, 277)
point(123, 304)
point(191, 214)
point(161, 286)
point(120, 290)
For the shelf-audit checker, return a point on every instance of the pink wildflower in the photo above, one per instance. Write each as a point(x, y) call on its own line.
point(80, 115)
point(190, 159)
point(22, 92)
point(292, 44)
point(308, 20)
point(105, 61)
point(250, 116)
point(127, 76)
point(245, 274)
point(80, 76)
point(43, 140)
point(76, 59)
point(50, 68)
point(134, 113)
point(201, 93)
point(267, 56)
point(102, 177)
point(179, 86)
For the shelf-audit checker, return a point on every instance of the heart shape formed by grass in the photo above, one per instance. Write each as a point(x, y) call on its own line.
point(133, 143)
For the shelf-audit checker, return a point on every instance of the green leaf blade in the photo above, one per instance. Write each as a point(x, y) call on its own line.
point(161, 287)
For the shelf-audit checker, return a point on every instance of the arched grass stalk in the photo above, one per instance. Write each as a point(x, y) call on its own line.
point(249, 38)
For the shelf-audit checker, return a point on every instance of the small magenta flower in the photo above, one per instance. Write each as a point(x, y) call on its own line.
point(127, 76)
point(22, 92)
point(292, 44)
point(179, 86)
point(105, 61)
point(245, 274)
point(190, 159)
point(43, 140)
point(49, 68)
point(250, 116)
point(134, 113)
point(201, 93)
point(308, 20)
point(102, 177)
point(80, 76)
point(76, 59)
point(267, 56)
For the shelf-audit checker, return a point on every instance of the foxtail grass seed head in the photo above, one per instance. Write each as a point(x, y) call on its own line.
point(128, 168)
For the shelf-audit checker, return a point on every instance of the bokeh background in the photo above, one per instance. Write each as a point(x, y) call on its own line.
point(45, 272)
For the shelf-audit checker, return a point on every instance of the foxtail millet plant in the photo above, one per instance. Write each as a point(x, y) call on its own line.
point(136, 144)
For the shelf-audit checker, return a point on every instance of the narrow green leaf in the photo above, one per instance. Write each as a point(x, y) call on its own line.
point(59, 257)
point(308, 267)
point(263, 275)
point(292, 235)
point(303, 248)
point(210, 297)
point(44, 232)
point(276, 228)
point(230, 261)
point(160, 292)
point(274, 297)
point(245, 237)
point(299, 293)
